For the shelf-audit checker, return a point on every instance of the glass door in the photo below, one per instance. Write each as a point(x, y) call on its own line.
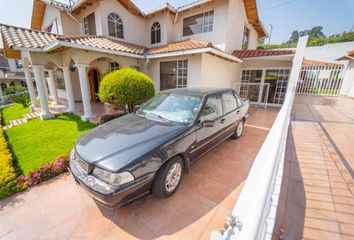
point(278, 83)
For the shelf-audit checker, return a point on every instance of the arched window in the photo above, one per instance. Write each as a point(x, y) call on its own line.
point(155, 33)
point(114, 66)
point(115, 26)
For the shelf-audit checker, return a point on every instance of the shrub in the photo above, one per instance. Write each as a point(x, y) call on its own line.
point(14, 89)
point(23, 100)
point(8, 179)
point(109, 117)
point(43, 173)
point(126, 86)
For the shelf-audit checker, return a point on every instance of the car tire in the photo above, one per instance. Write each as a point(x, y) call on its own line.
point(173, 169)
point(239, 130)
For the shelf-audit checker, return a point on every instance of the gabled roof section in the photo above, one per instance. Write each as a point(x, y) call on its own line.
point(261, 53)
point(348, 56)
point(253, 18)
point(15, 39)
point(128, 4)
point(189, 46)
point(309, 62)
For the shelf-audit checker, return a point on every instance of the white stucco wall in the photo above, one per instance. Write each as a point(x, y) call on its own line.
point(134, 27)
point(218, 35)
point(194, 70)
point(217, 72)
point(50, 14)
point(237, 19)
point(329, 52)
point(347, 88)
point(69, 25)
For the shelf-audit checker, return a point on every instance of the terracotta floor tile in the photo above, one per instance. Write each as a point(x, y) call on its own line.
point(347, 229)
point(345, 217)
point(315, 234)
point(320, 214)
point(343, 200)
point(315, 223)
point(344, 208)
point(319, 197)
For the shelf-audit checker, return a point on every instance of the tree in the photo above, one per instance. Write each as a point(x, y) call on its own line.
point(294, 37)
point(126, 87)
point(316, 32)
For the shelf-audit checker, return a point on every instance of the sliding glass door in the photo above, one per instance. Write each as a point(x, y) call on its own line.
point(278, 83)
point(173, 74)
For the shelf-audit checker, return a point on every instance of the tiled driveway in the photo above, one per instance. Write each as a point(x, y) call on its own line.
point(58, 209)
point(317, 194)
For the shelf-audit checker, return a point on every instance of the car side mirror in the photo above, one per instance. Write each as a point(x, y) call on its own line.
point(208, 123)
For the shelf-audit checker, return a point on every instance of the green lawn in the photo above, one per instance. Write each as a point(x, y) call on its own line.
point(14, 112)
point(38, 142)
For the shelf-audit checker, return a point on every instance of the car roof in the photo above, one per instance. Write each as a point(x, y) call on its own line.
point(197, 91)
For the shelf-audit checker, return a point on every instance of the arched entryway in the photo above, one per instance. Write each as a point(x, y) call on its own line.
point(94, 79)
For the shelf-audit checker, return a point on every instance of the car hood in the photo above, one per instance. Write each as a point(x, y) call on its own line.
point(113, 145)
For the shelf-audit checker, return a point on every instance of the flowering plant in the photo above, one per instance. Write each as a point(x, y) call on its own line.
point(43, 173)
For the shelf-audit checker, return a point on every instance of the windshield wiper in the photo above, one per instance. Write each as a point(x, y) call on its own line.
point(160, 117)
point(140, 113)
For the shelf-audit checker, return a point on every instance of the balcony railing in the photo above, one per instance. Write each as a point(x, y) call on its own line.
point(254, 213)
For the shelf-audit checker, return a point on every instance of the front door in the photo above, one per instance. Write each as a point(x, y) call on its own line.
point(212, 113)
point(94, 77)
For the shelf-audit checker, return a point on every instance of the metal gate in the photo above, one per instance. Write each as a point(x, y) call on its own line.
point(324, 80)
point(257, 93)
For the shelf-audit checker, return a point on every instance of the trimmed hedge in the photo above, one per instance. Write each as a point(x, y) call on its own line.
point(126, 86)
point(8, 175)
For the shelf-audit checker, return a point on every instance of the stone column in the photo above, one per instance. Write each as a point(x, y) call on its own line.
point(53, 86)
point(38, 71)
point(69, 89)
point(85, 91)
point(30, 87)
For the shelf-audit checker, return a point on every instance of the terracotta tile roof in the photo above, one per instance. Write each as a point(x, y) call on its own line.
point(261, 53)
point(348, 56)
point(309, 62)
point(184, 45)
point(103, 43)
point(16, 37)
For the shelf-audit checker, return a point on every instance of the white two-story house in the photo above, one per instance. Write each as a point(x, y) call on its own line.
point(208, 43)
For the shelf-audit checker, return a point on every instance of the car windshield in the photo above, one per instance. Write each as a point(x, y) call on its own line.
point(169, 107)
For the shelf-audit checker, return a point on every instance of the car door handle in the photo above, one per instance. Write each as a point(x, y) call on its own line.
point(238, 111)
point(222, 121)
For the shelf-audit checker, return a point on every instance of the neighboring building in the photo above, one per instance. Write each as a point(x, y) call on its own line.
point(206, 43)
point(348, 82)
point(11, 73)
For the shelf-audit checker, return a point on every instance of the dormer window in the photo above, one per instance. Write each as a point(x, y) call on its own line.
point(115, 25)
point(245, 39)
point(155, 33)
point(199, 23)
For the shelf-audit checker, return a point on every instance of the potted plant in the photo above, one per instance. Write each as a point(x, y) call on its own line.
point(126, 87)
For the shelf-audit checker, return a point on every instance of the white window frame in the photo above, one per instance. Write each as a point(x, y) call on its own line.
point(178, 78)
point(116, 21)
point(155, 30)
point(264, 70)
point(86, 25)
point(208, 22)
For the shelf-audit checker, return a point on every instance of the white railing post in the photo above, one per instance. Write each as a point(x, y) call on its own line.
point(249, 218)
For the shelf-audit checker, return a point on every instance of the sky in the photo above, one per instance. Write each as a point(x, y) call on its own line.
point(285, 16)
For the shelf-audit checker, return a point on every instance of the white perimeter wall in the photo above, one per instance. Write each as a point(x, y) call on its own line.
point(347, 88)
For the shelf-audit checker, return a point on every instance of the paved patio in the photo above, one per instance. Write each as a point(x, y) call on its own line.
point(317, 194)
point(59, 209)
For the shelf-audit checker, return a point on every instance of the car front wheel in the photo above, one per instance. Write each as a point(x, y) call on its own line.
point(239, 130)
point(168, 178)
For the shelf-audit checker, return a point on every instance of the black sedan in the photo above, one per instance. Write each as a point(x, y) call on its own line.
point(150, 150)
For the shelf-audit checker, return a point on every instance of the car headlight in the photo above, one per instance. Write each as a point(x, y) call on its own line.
point(113, 178)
